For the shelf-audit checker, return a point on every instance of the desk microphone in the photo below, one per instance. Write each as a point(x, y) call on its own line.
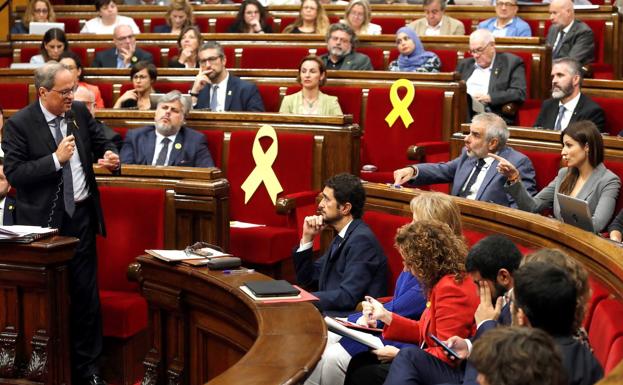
point(69, 118)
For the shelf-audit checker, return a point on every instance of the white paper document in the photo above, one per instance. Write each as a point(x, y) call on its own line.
point(361, 337)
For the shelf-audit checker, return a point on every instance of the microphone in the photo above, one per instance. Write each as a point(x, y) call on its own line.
point(69, 118)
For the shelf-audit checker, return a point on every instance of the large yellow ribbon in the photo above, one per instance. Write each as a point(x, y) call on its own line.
point(263, 171)
point(400, 106)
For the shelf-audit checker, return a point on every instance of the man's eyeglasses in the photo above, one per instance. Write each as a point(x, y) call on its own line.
point(67, 92)
point(211, 59)
point(502, 4)
point(479, 51)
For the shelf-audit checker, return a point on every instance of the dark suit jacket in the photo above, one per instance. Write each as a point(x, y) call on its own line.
point(492, 189)
point(357, 268)
point(507, 83)
point(354, 61)
point(28, 145)
point(586, 109)
point(8, 218)
point(108, 58)
point(241, 96)
point(578, 43)
point(190, 148)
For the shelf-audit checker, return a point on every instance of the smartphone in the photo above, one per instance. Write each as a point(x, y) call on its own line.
point(444, 346)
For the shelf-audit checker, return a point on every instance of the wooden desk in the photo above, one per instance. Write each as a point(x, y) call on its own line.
point(34, 311)
point(203, 328)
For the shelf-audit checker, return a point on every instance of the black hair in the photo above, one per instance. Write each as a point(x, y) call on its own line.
point(348, 188)
point(76, 58)
point(491, 254)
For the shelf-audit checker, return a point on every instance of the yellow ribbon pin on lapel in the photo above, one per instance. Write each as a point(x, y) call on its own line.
point(263, 171)
point(400, 106)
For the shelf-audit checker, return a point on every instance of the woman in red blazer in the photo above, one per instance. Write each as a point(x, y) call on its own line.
point(435, 255)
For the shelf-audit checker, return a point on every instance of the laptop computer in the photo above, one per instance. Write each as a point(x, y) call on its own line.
point(38, 28)
point(575, 212)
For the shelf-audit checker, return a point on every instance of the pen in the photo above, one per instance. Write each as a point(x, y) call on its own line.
point(241, 271)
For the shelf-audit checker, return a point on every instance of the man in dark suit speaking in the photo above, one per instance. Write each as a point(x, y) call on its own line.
point(48, 149)
point(215, 88)
point(168, 142)
point(125, 54)
point(354, 265)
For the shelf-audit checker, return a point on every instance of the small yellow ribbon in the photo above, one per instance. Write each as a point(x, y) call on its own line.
point(400, 106)
point(263, 171)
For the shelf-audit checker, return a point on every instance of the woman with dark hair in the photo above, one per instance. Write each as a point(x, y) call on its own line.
point(413, 57)
point(107, 19)
point(585, 177)
point(143, 75)
point(188, 44)
point(310, 100)
point(312, 19)
point(54, 43)
point(73, 63)
point(40, 11)
point(252, 17)
point(179, 16)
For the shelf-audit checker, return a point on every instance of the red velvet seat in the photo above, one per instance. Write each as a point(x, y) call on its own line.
point(154, 50)
point(27, 53)
point(605, 328)
point(223, 23)
point(203, 24)
point(546, 166)
point(270, 97)
point(612, 109)
point(376, 56)
point(467, 23)
point(272, 57)
point(106, 92)
point(615, 356)
point(389, 25)
point(272, 243)
point(598, 294)
point(72, 25)
point(386, 147)
point(13, 95)
point(528, 112)
point(215, 144)
point(384, 226)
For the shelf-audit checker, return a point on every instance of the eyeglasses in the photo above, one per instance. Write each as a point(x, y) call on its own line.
point(505, 4)
point(140, 77)
point(67, 92)
point(479, 51)
point(211, 59)
point(42, 11)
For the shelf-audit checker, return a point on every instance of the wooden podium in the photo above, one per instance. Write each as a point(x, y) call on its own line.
point(34, 311)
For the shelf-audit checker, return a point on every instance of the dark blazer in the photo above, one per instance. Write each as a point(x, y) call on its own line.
point(578, 43)
point(108, 58)
point(357, 268)
point(492, 189)
point(162, 28)
point(19, 27)
point(190, 148)
point(241, 96)
point(586, 109)
point(8, 218)
point(354, 61)
point(28, 145)
point(507, 83)
point(617, 223)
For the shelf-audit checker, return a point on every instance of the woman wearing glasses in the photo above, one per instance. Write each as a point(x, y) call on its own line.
point(188, 44)
point(312, 19)
point(506, 23)
point(40, 11)
point(54, 43)
point(252, 17)
point(358, 16)
point(143, 75)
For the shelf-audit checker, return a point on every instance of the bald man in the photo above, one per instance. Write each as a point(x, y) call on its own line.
point(568, 36)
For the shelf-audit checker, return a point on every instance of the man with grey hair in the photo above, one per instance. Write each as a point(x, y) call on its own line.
point(341, 40)
point(48, 149)
point(87, 97)
point(568, 36)
point(435, 22)
point(568, 104)
point(496, 81)
point(215, 88)
point(473, 174)
point(168, 142)
point(125, 53)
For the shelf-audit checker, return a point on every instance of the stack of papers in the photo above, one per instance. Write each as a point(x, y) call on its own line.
point(361, 337)
point(182, 255)
point(24, 234)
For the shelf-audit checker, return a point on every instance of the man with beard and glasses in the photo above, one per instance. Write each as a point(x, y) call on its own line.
point(473, 172)
point(341, 40)
point(568, 104)
point(168, 142)
point(354, 265)
point(215, 88)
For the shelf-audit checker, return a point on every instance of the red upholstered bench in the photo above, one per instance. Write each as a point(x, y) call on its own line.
point(13, 95)
point(546, 166)
point(598, 294)
point(270, 97)
point(528, 112)
point(72, 25)
point(612, 109)
point(267, 57)
point(605, 328)
point(389, 25)
point(615, 355)
point(134, 222)
point(215, 144)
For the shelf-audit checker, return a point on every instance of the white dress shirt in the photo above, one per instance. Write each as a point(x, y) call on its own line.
point(569, 108)
point(159, 145)
point(433, 31)
point(481, 177)
point(478, 82)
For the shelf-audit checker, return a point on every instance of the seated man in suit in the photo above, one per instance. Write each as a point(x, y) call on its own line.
point(7, 203)
point(568, 36)
point(435, 22)
point(473, 173)
point(168, 142)
point(495, 80)
point(87, 97)
point(354, 265)
point(506, 23)
point(341, 41)
point(568, 104)
point(217, 89)
point(125, 52)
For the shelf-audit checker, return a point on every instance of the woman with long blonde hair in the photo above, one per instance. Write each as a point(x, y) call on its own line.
point(312, 19)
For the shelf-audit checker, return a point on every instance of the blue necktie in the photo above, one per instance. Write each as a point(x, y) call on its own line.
point(561, 112)
point(334, 246)
point(68, 181)
point(214, 100)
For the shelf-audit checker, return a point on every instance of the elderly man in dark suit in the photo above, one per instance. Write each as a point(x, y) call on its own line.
point(215, 88)
point(495, 80)
point(48, 149)
point(473, 174)
point(568, 36)
point(341, 40)
point(168, 142)
point(354, 265)
point(568, 104)
point(125, 53)
point(7, 203)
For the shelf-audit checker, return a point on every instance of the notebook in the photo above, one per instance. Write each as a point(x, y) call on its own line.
point(575, 212)
point(272, 288)
point(38, 28)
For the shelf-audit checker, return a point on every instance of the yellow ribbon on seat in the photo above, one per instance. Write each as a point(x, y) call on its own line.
point(263, 171)
point(400, 106)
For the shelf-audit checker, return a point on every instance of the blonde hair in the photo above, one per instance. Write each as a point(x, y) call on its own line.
point(437, 206)
point(181, 5)
point(367, 14)
point(321, 23)
point(30, 11)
